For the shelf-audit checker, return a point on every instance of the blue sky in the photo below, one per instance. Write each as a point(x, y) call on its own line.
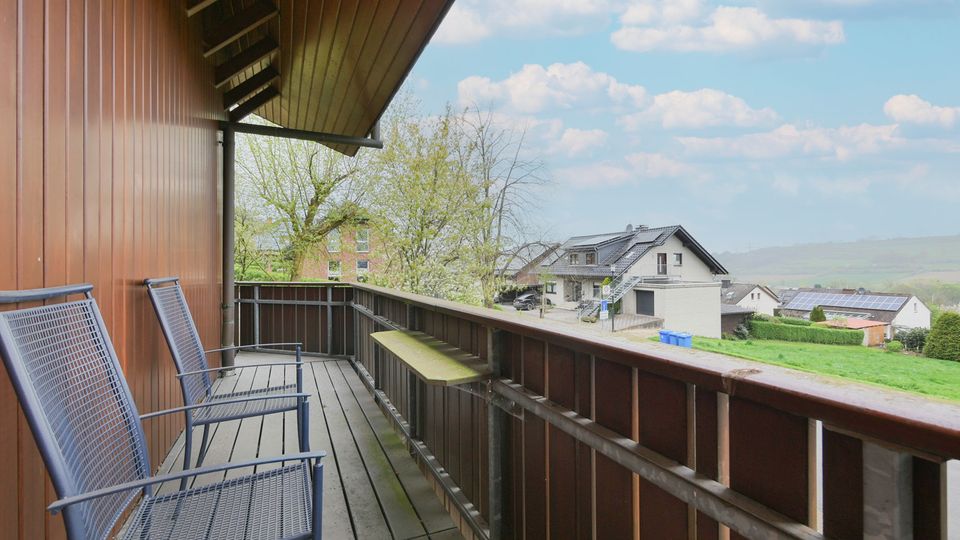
point(753, 123)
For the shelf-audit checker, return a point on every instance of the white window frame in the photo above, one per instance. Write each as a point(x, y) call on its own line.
point(339, 239)
point(331, 273)
point(678, 259)
point(366, 241)
point(550, 287)
point(574, 259)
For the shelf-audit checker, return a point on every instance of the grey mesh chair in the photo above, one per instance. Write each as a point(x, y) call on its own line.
point(194, 373)
point(79, 407)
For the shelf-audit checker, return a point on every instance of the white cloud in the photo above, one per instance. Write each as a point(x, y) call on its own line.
point(535, 89)
point(668, 26)
point(698, 109)
point(652, 165)
point(558, 86)
point(912, 109)
point(789, 140)
point(461, 25)
point(470, 21)
point(596, 175)
point(575, 141)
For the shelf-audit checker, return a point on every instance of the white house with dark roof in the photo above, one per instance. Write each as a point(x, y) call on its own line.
point(755, 297)
point(660, 272)
point(900, 311)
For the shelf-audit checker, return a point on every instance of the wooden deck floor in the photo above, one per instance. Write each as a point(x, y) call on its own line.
point(372, 487)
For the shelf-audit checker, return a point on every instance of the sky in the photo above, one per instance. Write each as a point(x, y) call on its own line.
point(751, 122)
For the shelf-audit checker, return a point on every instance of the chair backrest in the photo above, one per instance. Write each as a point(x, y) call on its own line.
point(66, 374)
point(182, 337)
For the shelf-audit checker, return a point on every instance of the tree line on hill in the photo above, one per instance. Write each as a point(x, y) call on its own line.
point(447, 197)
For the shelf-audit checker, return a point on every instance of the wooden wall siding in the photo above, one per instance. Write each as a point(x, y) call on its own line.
point(108, 174)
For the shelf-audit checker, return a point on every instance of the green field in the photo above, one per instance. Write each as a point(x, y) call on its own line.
point(938, 378)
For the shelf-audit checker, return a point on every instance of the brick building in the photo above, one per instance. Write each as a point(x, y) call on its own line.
point(349, 254)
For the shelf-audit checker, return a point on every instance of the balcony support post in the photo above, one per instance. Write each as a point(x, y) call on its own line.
point(887, 493)
point(496, 424)
point(229, 201)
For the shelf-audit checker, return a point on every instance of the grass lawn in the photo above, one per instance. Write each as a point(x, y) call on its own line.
point(940, 378)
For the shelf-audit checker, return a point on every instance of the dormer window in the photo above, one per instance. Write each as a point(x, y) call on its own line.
point(591, 257)
point(574, 259)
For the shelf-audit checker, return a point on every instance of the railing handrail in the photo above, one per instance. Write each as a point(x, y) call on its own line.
point(920, 423)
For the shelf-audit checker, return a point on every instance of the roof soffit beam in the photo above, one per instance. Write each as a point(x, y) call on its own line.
point(254, 103)
point(197, 6)
point(235, 65)
point(238, 25)
point(259, 80)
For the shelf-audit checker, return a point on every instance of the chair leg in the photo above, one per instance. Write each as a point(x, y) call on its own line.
point(318, 500)
point(303, 423)
point(187, 448)
point(203, 445)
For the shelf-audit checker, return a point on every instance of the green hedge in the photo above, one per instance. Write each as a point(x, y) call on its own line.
point(943, 341)
point(795, 321)
point(806, 334)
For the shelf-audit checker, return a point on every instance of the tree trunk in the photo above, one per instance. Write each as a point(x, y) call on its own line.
point(296, 265)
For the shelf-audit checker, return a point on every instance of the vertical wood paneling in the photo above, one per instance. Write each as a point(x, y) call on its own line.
point(108, 175)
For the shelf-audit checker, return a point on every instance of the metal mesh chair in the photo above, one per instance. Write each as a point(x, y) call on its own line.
point(78, 404)
point(194, 374)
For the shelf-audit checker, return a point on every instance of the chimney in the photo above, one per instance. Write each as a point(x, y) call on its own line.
point(725, 283)
point(642, 227)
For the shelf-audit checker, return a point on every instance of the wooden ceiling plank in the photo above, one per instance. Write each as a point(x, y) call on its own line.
point(344, 31)
point(315, 75)
point(198, 5)
point(251, 55)
point(360, 37)
point(362, 80)
point(254, 103)
point(393, 43)
point(238, 25)
point(298, 24)
point(259, 80)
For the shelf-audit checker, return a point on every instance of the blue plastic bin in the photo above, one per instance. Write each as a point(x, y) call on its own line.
point(684, 340)
point(664, 336)
point(672, 338)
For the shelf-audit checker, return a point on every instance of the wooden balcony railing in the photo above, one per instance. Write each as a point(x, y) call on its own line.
point(581, 437)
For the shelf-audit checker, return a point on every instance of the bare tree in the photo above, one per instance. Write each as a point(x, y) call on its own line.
point(504, 179)
point(310, 189)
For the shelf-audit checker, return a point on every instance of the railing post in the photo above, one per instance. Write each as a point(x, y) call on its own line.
point(887, 493)
point(496, 423)
point(329, 320)
point(256, 315)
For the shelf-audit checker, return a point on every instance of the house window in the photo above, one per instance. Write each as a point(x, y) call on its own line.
point(333, 241)
point(550, 287)
point(661, 264)
point(574, 259)
point(678, 259)
point(596, 290)
point(333, 269)
point(363, 240)
point(591, 258)
point(363, 268)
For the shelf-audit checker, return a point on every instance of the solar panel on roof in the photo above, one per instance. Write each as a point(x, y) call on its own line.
point(806, 301)
point(646, 236)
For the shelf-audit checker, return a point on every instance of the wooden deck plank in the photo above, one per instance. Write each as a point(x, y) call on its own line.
point(368, 518)
point(174, 459)
point(271, 432)
point(247, 443)
point(336, 514)
point(401, 517)
point(432, 514)
point(372, 487)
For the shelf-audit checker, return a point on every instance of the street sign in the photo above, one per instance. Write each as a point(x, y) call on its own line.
point(606, 290)
point(604, 310)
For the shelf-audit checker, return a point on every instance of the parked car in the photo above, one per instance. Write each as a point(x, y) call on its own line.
point(526, 301)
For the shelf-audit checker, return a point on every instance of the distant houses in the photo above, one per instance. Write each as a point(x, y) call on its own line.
point(899, 311)
point(658, 272)
point(755, 297)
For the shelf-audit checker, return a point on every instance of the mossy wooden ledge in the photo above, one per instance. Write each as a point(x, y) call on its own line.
point(436, 362)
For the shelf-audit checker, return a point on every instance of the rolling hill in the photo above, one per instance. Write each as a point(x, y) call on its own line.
point(865, 263)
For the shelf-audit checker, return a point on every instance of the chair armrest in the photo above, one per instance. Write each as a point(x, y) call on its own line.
point(244, 366)
point(251, 346)
point(59, 505)
point(301, 395)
